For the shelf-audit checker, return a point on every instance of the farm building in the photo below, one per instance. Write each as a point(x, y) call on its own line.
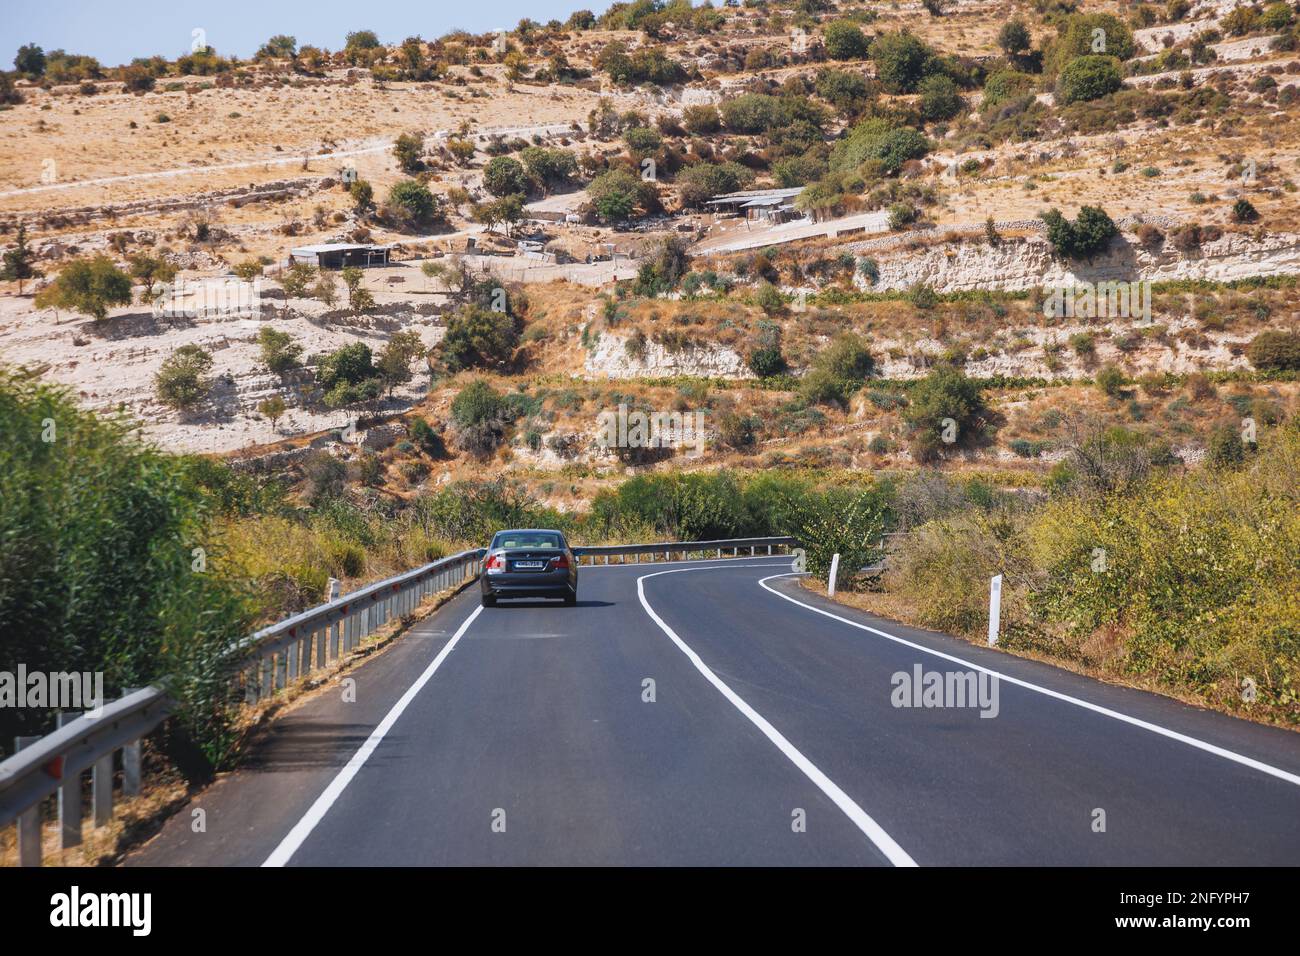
point(764, 205)
point(336, 255)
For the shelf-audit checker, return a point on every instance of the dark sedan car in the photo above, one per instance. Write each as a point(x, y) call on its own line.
point(529, 563)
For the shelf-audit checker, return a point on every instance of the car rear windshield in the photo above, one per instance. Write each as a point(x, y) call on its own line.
point(528, 540)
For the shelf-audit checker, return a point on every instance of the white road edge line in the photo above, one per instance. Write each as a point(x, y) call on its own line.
point(302, 829)
point(1086, 705)
point(861, 819)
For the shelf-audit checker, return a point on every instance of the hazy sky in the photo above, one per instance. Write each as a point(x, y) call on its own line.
point(114, 31)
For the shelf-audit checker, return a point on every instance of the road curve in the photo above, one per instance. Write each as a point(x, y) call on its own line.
point(713, 713)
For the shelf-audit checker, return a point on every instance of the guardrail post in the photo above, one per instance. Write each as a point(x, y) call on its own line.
point(131, 760)
point(336, 638)
point(69, 799)
point(101, 791)
point(320, 646)
point(29, 821)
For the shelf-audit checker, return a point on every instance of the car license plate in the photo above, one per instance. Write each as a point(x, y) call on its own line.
point(530, 565)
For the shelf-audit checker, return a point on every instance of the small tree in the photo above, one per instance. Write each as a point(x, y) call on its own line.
point(408, 148)
point(504, 176)
point(478, 338)
point(294, 280)
point(151, 270)
point(363, 196)
point(272, 409)
point(179, 382)
point(30, 61)
point(394, 363)
point(1088, 78)
point(845, 41)
point(280, 352)
point(247, 270)
point(411, 200)
point(17, 262)
point(90, 286)
point(359, 297)
point(325, 290)
point(1014, 37)
point(945, 408)
point(1083, 238)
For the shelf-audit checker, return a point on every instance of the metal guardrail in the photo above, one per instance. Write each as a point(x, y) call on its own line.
point(684, 548)
point(276, 656)
point(294, 647)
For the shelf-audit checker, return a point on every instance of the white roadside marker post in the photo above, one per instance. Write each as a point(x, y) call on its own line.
point(835, 570)
point(995, 609)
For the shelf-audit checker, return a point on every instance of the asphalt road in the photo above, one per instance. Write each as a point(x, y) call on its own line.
point(526, 734)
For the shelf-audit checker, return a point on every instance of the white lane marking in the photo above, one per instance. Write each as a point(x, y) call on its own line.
point(1086, 705)
point(302, 829)
point(861, 819)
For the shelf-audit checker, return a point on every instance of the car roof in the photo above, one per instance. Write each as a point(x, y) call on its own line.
point(529, 531)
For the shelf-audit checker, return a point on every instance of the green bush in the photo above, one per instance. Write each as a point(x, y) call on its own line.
point(844, 40)
point(945, 409)
point(478, 337)
point(1088, 78)
point(412, 199)
point(939, 98)
point(1275, 351)
point(1111, 381)
point(179, 382)
point(838, 370)
point(1089, 234)
point(280, 353)
point(901, 61)
point(879, 139)
point(767, 361)
point(504, 176)
point(620, 194)
point(703, 181)
point(1005, 85)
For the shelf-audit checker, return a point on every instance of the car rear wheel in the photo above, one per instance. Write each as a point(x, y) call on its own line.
point(489, 601)
point(571, 598)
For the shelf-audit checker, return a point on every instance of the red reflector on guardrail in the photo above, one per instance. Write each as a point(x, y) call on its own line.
point(55, 768)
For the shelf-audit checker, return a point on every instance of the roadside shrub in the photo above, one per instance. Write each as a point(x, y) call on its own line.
point(98, 539)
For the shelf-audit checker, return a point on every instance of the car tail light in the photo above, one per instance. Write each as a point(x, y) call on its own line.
point(495, 562)
point(561, 562)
